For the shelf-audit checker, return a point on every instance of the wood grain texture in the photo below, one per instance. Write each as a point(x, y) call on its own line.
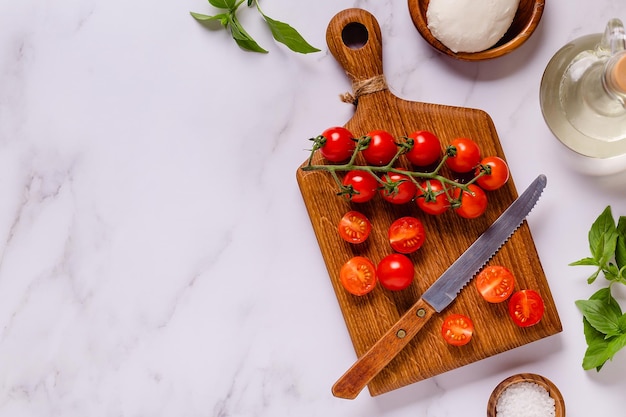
point(524, 23)
point(448, 236)
point(382, 352)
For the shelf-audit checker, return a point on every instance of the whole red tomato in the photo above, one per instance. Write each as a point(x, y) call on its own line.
point(426, 148)
point(473, 203)
point(495, 173)
point(433, 199)
point(395, 272)
point(398, 188)
point(363, 184)
point(381, 149)
point(466, 157)
point(338, 144)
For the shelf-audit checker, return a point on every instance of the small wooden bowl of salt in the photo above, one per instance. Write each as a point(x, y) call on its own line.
point(526, 395)
point(476, 30)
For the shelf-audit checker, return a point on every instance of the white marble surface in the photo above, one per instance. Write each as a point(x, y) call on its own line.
point(156, 258)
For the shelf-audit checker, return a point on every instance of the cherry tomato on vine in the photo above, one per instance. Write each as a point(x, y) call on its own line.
point(498, 173)
point(406, 234)
point(402, 192)
point(434, 201)
point(495, 283)
point(426, 148)
point(338, 144)
point(526, 308)
point(358, 275)
point(457, 329)
point(354, 227)
point(395, 272)
point(381, 149)
point(473, 202)
point(363, 184)
point(467, 155)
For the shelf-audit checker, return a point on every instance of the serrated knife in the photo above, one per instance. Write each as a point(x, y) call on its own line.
point(439, 295)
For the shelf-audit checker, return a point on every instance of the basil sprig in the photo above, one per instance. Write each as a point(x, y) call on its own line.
point(604, 323)
point(282, 32)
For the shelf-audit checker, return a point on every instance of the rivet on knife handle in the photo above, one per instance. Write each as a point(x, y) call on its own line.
point(382, 352)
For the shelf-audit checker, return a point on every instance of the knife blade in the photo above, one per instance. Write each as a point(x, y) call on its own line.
point(439, 295)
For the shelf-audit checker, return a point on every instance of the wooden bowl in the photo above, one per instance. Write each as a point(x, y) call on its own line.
point(559, 404)
point(524, 24)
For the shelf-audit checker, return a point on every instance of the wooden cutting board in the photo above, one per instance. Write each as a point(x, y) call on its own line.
point(448, 235)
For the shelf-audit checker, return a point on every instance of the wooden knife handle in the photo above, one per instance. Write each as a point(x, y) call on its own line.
point(383, 351)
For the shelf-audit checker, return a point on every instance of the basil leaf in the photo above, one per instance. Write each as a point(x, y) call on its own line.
point(222, 17)
point(622, 323)
point(604, 324)
point(615, 345)
point(224, 4)
point(601, 316)
point(585, 261)
point(620, 249)
point(589, 262)
point(603, 237)
point(611, 272)
point(593, 276)
point(604, 295)
point(249, 44)
point(242, 38)
point(591, 334)
point(282, 32)
point(288, 36)
point(596, 355)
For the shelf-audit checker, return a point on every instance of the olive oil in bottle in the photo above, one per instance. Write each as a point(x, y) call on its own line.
point(583, 94)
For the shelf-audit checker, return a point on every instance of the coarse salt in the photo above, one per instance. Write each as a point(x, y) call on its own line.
point(525, 399)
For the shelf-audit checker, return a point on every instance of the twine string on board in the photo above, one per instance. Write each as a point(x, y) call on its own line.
point(361, 88)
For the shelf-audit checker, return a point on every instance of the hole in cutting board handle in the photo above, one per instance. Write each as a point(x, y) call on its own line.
point(355, 35)
point(354, 39)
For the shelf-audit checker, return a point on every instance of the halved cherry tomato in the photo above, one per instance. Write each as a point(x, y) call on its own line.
point(426, 148)
point(473, 202)
point(358, 275)
point(395, 272)
point(398, 188)
point(497, 176)
point(434, 200)
point(526, 308)
point(406, 235)
point(338, 144)
point(354, 227)
point(457, 329)
point(381, 149)
point(363, 184)
point(467, 155)
point(495, 283)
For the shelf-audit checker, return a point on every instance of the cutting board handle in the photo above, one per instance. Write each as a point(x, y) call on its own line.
point(353, 37)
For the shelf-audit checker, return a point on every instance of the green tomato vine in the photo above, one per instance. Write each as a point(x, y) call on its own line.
point(391, 186)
